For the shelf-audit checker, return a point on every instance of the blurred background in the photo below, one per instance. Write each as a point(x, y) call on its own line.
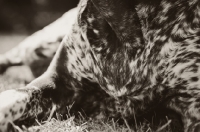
point(27, 16)
point(20, 18)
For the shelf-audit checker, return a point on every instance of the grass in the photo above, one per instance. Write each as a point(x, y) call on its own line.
point(13, 78)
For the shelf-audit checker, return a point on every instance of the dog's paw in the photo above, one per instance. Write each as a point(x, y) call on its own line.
point(12, 106)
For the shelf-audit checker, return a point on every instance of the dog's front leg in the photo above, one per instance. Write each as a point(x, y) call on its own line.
point(26, 103)
point(34, 100)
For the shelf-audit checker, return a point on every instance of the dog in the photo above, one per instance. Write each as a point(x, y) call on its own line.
point(121, 58)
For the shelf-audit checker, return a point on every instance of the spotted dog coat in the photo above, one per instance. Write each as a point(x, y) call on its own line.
point(122, 58)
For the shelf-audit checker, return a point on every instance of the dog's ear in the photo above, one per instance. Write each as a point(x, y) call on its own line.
point(123, 19)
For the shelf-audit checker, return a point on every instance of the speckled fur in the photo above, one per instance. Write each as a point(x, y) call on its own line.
point(123, 58)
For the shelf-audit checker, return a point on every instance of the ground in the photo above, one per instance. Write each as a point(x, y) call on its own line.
point(17, 77)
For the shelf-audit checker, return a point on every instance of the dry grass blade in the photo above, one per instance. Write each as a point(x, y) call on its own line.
point(127, 125)
point(164, 126)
